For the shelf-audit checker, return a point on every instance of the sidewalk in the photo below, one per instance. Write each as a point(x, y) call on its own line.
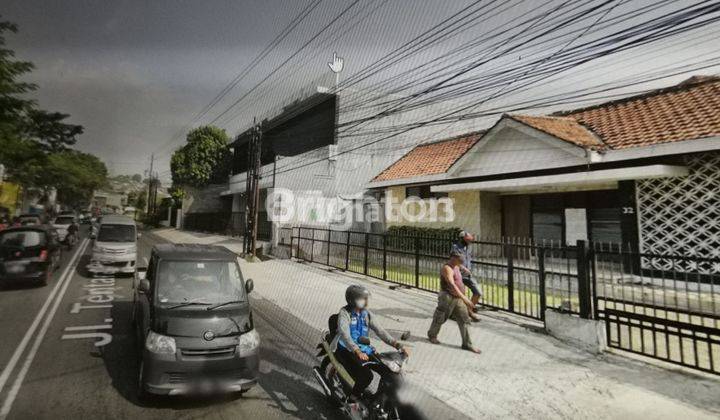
point(521, 373)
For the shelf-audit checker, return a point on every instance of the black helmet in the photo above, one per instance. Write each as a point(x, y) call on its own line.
point(354, 293)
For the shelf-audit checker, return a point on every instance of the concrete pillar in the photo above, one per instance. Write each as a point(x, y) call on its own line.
point(490, 215)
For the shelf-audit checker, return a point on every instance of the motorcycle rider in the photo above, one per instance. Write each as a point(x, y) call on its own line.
point(354, 323)
point(73, 231)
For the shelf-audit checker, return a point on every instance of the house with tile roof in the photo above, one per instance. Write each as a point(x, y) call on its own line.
point(642, 171)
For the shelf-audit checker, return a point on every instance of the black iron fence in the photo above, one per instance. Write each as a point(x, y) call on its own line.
point(662, 306)
point(225, 223)
point(658, 305)
point(514, 276)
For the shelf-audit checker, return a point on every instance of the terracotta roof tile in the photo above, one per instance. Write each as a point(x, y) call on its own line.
point(689, 110)
point(429, 158)
point(564, 128)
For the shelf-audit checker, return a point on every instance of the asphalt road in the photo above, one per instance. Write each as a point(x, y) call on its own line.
point(52, 368)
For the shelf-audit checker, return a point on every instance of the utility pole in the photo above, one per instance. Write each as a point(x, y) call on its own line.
point(150, 182)
point(252, 190)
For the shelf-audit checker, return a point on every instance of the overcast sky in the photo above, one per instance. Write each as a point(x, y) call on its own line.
point(134, 73)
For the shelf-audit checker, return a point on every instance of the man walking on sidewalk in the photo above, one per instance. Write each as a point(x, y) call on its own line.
point(463, 247)
point(452, 302)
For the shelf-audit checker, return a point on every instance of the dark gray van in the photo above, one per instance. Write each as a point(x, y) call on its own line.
point(193, 322)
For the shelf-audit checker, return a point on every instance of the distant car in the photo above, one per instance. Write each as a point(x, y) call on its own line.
point(28, 254)
point(27, 220)
point(192, 318)
point(115, 246)
point(62, 224)
point(85, 219)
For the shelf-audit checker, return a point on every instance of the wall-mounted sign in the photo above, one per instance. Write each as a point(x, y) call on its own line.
point(575, 225)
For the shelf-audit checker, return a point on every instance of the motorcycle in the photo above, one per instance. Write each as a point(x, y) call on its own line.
point(336, 382)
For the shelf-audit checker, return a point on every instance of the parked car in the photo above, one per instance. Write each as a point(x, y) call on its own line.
point(114, 247)
point(194, 324)
point(29, 254)
point(27, 220)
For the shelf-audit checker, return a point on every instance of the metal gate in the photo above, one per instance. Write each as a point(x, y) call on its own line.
point(662, 306)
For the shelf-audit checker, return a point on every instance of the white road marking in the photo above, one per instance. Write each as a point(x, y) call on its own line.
point(89, 328)
point(65, 280)
point(10, 367)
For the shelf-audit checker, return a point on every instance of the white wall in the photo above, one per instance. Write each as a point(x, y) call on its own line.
point(510, 150)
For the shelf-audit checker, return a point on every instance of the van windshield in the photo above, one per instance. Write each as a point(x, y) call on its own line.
point(116, 233)
point(199, 281)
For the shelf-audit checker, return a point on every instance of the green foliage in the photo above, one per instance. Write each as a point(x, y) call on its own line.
point(203, 160)
point(28, 136)
point(137, 178)
point(75, 176)
point(177, 194)
point(140, 200)
point(424, 232)
point(432, 241)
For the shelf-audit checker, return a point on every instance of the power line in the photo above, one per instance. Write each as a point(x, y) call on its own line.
point(247, 69)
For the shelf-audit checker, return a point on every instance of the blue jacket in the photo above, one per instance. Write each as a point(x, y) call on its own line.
point(359, 327)
point(353, 325)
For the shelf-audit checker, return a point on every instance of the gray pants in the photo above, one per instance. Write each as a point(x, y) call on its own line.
point(450, 306)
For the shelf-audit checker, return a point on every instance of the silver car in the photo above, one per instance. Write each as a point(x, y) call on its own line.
point(114, 247)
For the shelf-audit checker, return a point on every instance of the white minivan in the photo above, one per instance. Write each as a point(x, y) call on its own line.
point(114, 247)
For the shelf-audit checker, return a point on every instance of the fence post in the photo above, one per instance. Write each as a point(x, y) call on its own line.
point(328, 247)
point(541, 282)
point(583, 280)
point(365, 257)
point(593, 280)
point(510, 277)
point(384, 240)
point(292, 230)
point(347, 252)
point(312, 244)
point(417, 262)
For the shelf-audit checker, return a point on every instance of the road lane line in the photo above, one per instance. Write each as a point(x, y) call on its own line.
point(65, 280)
point(10, 367)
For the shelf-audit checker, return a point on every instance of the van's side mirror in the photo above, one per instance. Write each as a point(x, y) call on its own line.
point(144, 286)
point(139, 235)
point(249, 285)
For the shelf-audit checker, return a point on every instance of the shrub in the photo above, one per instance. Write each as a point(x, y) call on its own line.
point(433, 241)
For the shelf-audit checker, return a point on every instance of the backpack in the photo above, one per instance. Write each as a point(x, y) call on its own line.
point(333, 324)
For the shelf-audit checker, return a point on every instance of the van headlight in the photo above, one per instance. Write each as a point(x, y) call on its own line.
point(248, 343)
point(161, 344)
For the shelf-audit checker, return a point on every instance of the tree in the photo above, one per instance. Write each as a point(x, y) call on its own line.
point(28, 135)
point(75, 176)
point(203, 160)
point(137, 178)
point(177, 194)
point(141, 200)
